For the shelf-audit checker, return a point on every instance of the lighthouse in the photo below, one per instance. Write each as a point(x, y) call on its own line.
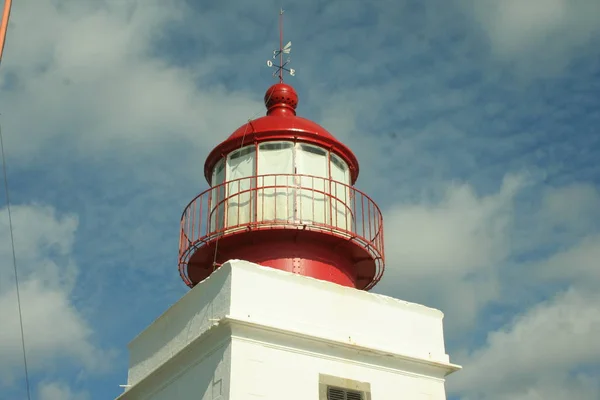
point(280, 253)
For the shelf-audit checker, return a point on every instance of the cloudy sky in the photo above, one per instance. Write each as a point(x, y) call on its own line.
point(476, 123)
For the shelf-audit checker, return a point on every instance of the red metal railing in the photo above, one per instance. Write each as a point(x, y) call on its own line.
point(282, 202)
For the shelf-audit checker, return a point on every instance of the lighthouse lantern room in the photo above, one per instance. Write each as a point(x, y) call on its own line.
point(280, 252)
point(282, 196)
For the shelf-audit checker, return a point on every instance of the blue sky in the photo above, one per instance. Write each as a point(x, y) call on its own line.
point(475, 123)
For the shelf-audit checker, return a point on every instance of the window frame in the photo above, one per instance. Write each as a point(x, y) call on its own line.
point(330, 381)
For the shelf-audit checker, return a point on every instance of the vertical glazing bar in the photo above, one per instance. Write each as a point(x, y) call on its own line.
point(216, 207)
point(301, 193)
point(355, 226)
point(221, 208)
point(193, 220)
point(191, 223)
point(326, 202)
point(362, 211)
point(326, 220)
point(262, 201)
point(211, 206)
point(222, 205)
point(337, 203)
point(299, 197)
point(329, 179)
point(190, 218)
point(199, 219)
point(201, 216)
point(255, 206)
point(290, 201)
point(239, 202)
point(246, 209)
point(210, 212)
point(370, 237)
point(318, 195)
point(323, 188)
point(312, 206)
point(224, 193)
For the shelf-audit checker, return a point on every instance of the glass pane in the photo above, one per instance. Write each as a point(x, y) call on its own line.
point(312, 199)
point(275, 184)
point(240, 177)
point(340, 194)
point(217, 204)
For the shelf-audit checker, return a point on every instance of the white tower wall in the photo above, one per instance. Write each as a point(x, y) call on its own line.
point(250, 331)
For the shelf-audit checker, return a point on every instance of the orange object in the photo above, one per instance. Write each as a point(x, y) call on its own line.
point(4, 26)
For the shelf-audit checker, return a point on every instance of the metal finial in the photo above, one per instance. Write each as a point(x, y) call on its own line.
point(282, 50)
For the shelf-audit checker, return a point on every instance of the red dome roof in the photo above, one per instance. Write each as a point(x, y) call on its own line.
point(281, 123)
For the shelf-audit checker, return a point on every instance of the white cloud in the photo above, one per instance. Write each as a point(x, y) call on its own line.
point(54, 329)
point(92, 78)
point(460, 234)
point(42, 238)
point(457, 253)
point(546, 344)
point(575, 208)
point(549, 350)
point(446, 253)
point(94, 81)
point(539, 36)
point(579, 264)
point(59, 391)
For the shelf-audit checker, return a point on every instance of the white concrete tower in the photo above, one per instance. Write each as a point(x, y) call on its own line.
point(280, 252)
point(250, 332)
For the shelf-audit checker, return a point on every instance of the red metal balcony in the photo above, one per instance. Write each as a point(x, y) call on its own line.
point(285, 203)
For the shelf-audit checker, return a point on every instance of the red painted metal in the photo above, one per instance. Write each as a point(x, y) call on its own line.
point(281, 123)
point(326, 234)
point(303, 224)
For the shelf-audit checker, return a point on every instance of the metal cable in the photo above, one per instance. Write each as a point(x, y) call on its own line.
point(14, 259)
point(3, 32)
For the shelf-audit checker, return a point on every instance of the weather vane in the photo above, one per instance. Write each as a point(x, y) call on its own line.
point(282, 50)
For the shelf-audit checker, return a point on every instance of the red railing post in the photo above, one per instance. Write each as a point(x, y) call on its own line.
point(196, 215)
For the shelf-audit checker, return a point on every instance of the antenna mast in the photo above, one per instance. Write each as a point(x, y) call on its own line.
point(280, 44)
point(282, 50)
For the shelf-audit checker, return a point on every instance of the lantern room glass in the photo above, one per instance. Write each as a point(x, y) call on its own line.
point(281, 181)
point(275, 196)
point(217, 198)
point(241, 167)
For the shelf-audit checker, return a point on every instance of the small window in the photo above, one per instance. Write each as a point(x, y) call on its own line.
point(313, 149)
point(242, 152)
point(220, 166)
point(338, 388)
point(335, 393)
point(335, 160)
point(275, 146)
